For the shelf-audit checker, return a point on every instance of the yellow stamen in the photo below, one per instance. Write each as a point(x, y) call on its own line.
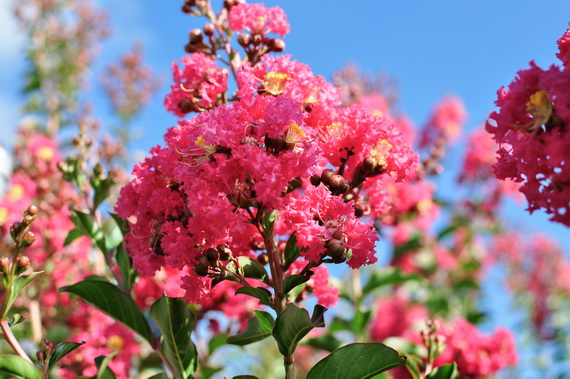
point(274, 82)
point(115, 343)
point(15, 193)
point(45, 153)
point(540, 107)
point(380, 151)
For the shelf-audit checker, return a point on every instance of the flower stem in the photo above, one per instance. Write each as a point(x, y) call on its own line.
point(12, 341)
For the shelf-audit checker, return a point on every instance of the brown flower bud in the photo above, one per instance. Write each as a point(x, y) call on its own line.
point(336, 250)
point(244, 39)
point(16, 229)
point(212, 255)
point(200, 269)
point(32, 210)
point(358, 211)
point(190, 48)
point(275, 44)
point(23, 262)
point(195, 36)
point(41, 356)
point(29, 238)
point(209, 29)
point(326, 176)
point(263, 258)
point(256, 40)
point(186, 106)
point(27, 220)
point(338, 185)
point(225, 252)
point(315, 180)
point(48, 346)
point(4, 264)
point(187, 8)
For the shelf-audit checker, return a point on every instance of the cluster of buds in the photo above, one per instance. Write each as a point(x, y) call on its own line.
point(47, 350)
point(256, 45)
point(434, 342)
point(211, 259)
point(23, 238)
point(196, 40)
point(336, 183)
point(194, 7)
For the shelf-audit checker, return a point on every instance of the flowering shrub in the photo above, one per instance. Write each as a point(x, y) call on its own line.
point(264, 192)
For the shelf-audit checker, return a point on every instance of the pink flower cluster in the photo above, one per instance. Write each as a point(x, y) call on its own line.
point(446, 121)
point(257, 19)
point(531, 127)
point(198, 86)
point(273, 149)
point(476, 354)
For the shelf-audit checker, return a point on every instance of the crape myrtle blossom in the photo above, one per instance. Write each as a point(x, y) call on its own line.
point(192, 201)
point(446, 121)
point(257, 19)
point(198, 86)
point(531, 127)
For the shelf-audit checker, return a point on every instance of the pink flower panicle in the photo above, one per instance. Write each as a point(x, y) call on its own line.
point(564, 49)
point(446, 121)
point(257, 19)
point(531, 130)
point(198, 86)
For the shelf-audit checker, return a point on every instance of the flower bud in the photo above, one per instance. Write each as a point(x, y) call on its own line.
point(4, 264)
point(358, 211)
point(257, 40)
point(275, 44)
point(190, 48)
point(186, 106)
point(16, 229)
point(23, 262)
point(338, 185)
point(326, 176)
point(212, 255)
point(195, 36)
point(315, 180)
point(209, 29)
point(32, 210)
point(41, 356)
point(98, 170)
point(225, 252)
point(263, 258)
point(244, 39)
point(200, 269)
point(336, 250)
point(48, 346)
point(29, 238)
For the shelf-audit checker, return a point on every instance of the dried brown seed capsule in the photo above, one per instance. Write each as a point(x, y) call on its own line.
point(338, 185)
point(315, 180)
point(326, 176)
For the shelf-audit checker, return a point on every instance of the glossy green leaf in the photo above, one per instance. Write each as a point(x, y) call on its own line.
point(103, 369)
point(251, 268)
point(114, 237)
point(257, 329)
point(125, 263)
point(292, 251)
point(61, 350)
point(357, 361)
point(325, 342)
point(216, 342)
point(123, 225)
point(293, 281)
point(112, 301)
point(72, 236)
point(245, 377)
point(15, 366)
point(448, 371)
point(85, 223)
point(294, 324)
point(102, 190)
point(176, 323)
point(19, 284)
point(268, 221)
point(360, 320)
point(386, 277)
point(260, 293)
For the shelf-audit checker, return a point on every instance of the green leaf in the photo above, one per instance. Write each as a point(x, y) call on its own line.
point(19, 284)
point(413, 244)
point(293, 281)
point(113, 302)
point(294, 324)
point(160, 375)
point(357, 361)
point(245, 377)
point(258, 328)
point(260, 293)
point(448, 371)
point(125, 262)
point(251, 268)
point(123, 225)
point(216, 342)
point(325, 342)
point(18, 367)
point(103, 369)
point(61, 350)
point(90, 228)
point(114, 238)
point(268, 222)
point(72, 236)
point(291, 249)
point(360, 320)
point(208, 371)
point(176, 323)
point(386, 277)
point(102, 190)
